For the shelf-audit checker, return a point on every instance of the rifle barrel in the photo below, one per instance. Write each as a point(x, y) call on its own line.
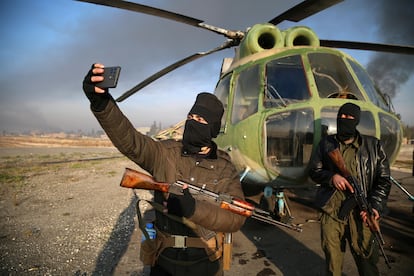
point(268, 220)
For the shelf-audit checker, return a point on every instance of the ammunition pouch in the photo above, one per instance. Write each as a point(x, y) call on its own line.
point(214, 247)
point(150, 250)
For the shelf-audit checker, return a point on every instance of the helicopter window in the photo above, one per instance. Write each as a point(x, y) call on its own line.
point(286, 82)
point(289, 140)
point(373, 94)
point(390, 135)
point(328, 122)
point(246, 94)
point(222, 93)
point(332, 77)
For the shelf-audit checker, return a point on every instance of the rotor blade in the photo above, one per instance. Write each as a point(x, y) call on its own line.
point(146, 9)
point(304, 10)
point(125, 5)
point(227, 44)
point(397, 49)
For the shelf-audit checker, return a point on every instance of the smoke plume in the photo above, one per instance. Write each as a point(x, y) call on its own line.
point(396, 26)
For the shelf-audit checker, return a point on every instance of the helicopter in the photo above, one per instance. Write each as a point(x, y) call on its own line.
point(281, 92)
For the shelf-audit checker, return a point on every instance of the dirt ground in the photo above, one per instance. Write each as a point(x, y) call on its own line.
point(62, 212)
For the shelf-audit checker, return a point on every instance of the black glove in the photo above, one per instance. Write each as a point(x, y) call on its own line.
point(98, 100)
point(181, 205)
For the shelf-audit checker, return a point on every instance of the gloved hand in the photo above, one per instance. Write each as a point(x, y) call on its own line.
point(181, 205)
point(98, 97)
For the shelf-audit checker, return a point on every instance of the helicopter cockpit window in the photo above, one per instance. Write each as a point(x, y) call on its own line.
point(373, 94)
point(332, 77)
point(222, 93)
point(328, 122)
point(289, 141)
point(285, 82)
point(246, 93)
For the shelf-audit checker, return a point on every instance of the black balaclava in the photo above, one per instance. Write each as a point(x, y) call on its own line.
point(346, 128)
point(197, 135)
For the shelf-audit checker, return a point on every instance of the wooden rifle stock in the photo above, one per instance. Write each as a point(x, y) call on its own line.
point(336, 157)
point(137, 180)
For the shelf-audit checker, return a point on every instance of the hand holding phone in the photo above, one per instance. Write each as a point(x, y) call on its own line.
point(111, 76)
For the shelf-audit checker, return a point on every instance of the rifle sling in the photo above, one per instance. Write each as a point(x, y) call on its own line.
point(159, 208)
point(141, 222)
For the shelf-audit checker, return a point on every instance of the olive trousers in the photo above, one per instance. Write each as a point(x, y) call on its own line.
point(334, 236)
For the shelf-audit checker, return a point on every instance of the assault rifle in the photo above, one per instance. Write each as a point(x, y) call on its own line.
point(359, 200)
point(137, 180)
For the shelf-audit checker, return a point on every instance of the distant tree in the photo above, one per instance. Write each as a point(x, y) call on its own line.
point(99, 133)
point(408, 131)
point(154, 129)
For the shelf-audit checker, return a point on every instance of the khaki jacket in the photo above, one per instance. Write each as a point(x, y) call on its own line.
point(164, 160)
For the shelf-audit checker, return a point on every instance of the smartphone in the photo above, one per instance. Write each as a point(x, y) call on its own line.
point(111, 76)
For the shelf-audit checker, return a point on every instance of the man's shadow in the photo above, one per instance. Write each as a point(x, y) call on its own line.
point(117, 243)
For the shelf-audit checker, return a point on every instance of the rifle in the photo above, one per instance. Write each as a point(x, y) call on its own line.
point(359, 200)
point(137, 180)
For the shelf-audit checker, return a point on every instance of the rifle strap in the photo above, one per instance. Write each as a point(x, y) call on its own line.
point(361, 237)
point(141, 222)
point(159, 208)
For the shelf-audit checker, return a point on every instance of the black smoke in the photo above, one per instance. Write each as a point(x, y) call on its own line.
point(395, 26)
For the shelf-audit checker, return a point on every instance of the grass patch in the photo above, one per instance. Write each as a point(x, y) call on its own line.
point(7, 178)
point(16, 172)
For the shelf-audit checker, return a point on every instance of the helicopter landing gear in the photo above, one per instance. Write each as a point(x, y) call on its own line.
point(276, 203)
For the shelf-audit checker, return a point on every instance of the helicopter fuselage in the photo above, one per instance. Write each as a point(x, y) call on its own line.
point(281, 97)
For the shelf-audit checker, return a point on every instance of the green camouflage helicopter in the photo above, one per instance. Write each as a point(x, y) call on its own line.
point(281, 93)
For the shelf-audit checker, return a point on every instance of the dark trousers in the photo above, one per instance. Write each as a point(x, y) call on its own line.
point(186, 261)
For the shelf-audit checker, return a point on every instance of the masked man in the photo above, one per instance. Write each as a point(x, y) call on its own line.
point(365, 159)
point(187, 248)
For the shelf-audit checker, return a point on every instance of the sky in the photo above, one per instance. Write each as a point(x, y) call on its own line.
point(49, 45)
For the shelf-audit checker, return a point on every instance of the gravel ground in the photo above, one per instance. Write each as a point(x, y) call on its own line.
point(63, 216)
